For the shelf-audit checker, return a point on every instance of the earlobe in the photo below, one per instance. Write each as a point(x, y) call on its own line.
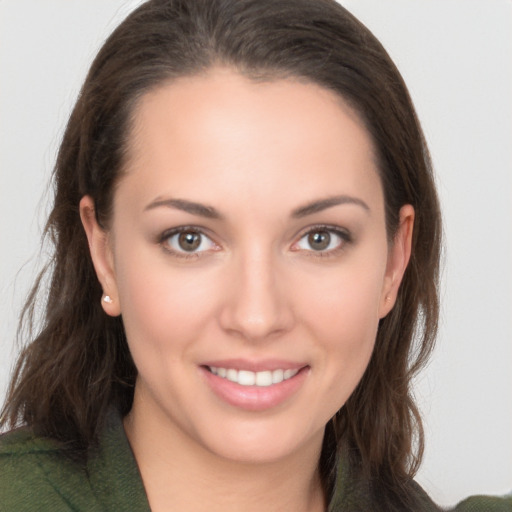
point(101, 255)
point(398, 259)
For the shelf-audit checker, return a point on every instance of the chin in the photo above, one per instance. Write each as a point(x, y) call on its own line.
point(262, 442)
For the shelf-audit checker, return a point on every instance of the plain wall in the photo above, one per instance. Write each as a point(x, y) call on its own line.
point(456, 57)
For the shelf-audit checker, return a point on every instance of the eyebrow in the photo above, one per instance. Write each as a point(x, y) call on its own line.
point(329, 202)
point(210, 212)
point(187, 206)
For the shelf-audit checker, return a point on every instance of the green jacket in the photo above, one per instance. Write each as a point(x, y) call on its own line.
point(35, 476)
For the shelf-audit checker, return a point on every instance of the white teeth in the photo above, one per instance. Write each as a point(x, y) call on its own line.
point(232, 375)
point(248, 378)
point(289, 373)
point(264, 378)
point(277, 376)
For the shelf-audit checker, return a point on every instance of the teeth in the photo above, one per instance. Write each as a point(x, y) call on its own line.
point(277, 376)
point(248, 378)
point(264, 378)
point(288, 374)
point(232, 375)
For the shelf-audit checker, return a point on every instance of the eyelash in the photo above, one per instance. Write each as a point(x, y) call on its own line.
point(167, 235)
point(344, 236)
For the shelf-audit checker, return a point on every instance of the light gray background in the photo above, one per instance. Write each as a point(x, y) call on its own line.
point(456, 57)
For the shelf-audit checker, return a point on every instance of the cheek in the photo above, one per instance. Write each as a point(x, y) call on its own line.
point(345, 301)
point(349, 322)
point(342, 315)
point(162, 306)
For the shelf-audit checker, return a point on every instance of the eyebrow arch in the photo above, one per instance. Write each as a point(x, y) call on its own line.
point(187, 206)
point(329, 202)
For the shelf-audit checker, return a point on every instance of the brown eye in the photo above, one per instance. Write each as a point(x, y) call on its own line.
point(189, 241)
point(323, 240)
point(319, 240)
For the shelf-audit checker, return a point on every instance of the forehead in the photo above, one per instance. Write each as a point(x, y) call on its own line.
point(223, 133)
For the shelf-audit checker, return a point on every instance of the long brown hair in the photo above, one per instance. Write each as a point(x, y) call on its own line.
point(78, 364)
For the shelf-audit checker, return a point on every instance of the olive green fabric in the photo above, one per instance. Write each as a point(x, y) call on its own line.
point(36, 476)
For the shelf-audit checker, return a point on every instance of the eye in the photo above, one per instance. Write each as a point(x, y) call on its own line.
point(322, 240)
point(187, 241)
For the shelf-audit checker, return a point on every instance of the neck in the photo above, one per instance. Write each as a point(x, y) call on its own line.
point(179, 474)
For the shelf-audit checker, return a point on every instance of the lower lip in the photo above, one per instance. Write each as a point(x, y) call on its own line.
point(255, 398)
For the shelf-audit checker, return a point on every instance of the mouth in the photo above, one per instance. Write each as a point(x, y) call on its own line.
point(263, 378)
point(255, 386)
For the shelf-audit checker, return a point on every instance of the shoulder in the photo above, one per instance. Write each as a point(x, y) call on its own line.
point(485, 504)
point(471, 504)
point(355, 496)
point(35, 474)
point(38, 474)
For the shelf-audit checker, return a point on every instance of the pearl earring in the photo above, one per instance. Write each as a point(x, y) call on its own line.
point(107, 299)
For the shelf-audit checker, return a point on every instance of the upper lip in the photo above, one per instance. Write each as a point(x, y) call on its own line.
point(255, 365)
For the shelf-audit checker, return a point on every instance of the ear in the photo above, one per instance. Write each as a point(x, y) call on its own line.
point(398, 257)
point(102, 258)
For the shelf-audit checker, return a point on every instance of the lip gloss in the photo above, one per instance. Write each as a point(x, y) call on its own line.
point(254, 398)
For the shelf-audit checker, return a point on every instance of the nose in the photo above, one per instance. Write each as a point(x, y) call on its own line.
point(257, 305)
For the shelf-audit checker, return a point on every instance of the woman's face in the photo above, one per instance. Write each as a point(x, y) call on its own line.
point(248, 257)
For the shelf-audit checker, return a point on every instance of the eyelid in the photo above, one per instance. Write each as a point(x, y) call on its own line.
point(342, 233)
point(167, 234)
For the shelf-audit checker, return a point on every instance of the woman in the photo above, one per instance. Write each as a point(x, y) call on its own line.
point(247, 237)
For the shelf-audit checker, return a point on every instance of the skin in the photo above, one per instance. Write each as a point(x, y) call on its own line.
point(256, 289)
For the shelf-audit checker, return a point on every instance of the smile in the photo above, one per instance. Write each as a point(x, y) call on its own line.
point(248, 378)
